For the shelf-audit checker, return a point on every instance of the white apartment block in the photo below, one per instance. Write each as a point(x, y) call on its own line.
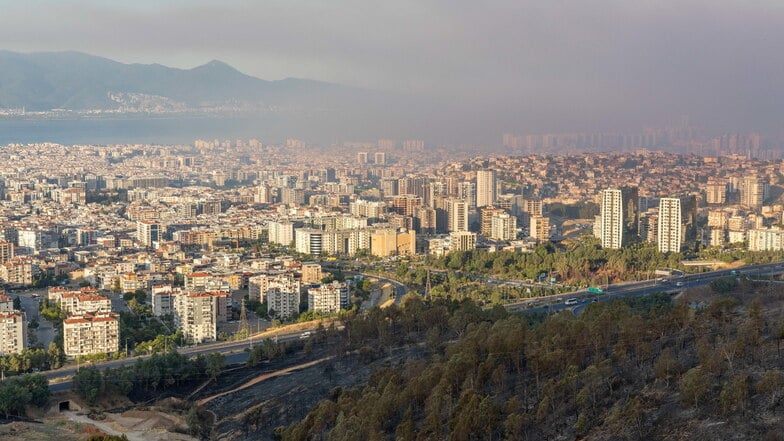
point(670, 227)
point(91, 334)
point(329, 297)
point(282, 303)
point(163, 299)
point(76, 303)
point(281, 232)
point(612, 219)
point(485, 188)
point(503, 227)
point(196, 315)
point(284, 281)
point(766, 239)
point(13, 332)
point(17, 272)
point(462, 241)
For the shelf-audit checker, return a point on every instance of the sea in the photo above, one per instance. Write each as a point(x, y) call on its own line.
point(163, 131)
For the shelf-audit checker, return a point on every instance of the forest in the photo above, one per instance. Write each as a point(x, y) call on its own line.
point(649, 368)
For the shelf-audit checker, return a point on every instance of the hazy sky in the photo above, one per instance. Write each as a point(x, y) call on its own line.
point(591, 63)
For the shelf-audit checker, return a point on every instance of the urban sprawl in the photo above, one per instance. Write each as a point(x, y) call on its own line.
point(199, 230)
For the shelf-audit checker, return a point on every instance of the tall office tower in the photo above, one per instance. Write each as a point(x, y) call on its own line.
point(362, 158)
point(716, 192)
point(485, 188)
point(619, 217)
point(457, 215)
point(147, 232)
point(753, 192)
point(379, 158)
point(670, 227)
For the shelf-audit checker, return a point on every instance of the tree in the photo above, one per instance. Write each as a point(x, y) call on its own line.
point(55, 355)
point(13, 398)
point(89, 383)
point(734, 393)
point(694, 386)
point(17, 303)
point(215, 364)
point(771, 384)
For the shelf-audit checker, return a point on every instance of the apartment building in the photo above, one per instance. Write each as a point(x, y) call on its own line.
point(196, 315)
point(282, 304)
point(284, 281)
point(13, 332)
point(329, 297)
point(89, 334)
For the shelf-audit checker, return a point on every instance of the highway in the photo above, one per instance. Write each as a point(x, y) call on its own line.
point(633, 289)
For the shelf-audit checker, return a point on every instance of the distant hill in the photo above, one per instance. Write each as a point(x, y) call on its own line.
point(77, 81)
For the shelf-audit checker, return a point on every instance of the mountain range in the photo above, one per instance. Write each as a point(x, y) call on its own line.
point(77, 81)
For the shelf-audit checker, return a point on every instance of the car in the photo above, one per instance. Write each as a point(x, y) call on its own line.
point(679, 284)
point(571, 302)
point(305, 334)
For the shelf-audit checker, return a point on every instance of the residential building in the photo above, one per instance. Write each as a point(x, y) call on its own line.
point(485, 188)
point(6, 252)
point(503, 226)
point(619, 217)
point(282, 304)
point(13, 332)
point(462, 241)
point(281, 232)
point(282, 280)
point(147, 233)
point(89, 334)
point(457, 215)
point(329, 297)
point(766, 239)
point(196, 315)
point(716, 192)
point(670, 226)
point(311, 273)
point(540, 228)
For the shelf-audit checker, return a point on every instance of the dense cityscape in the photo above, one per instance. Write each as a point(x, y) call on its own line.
point(408, 221)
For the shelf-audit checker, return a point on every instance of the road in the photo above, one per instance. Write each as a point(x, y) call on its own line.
point(632, 289)
point(235, 351)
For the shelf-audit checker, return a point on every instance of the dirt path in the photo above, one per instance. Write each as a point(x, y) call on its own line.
point(104, 426)
point(135, 425)
point(263, 377)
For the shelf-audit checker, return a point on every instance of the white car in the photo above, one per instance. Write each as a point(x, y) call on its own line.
point(571, 302)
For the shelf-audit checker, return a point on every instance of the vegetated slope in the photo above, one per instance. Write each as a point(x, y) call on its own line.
point(78, 81)
point(639, 369)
